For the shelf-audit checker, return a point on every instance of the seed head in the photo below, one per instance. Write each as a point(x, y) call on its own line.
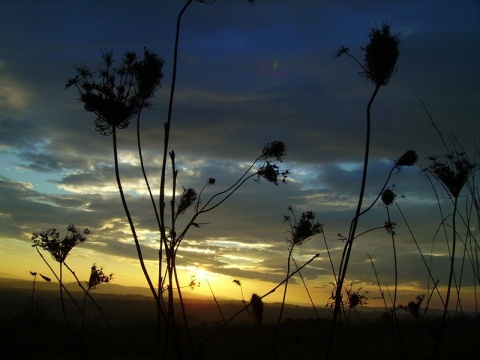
point(409, 158)
point(388, 196)
point(257, 308)
point(381, 55)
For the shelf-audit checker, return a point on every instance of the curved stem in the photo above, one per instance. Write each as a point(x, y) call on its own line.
point(306, 289)
point(129, 216)
point(142, 166)
point(75, 303)
point(163, 234)
point(169, 121)
point(225, 323)
point(353, 226)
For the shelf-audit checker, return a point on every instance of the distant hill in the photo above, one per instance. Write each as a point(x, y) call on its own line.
point(110, 288)
point(73, 286)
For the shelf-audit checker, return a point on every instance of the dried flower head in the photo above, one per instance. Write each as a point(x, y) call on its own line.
point(390, 227)
point(274, 150)
point(193, 282)
point(388, 196)
point(46, 278)
point(414, 306)
point(188, 198)
point(453, 172)
point(272, 173)
point(121, 92)
point(257, 308)
point(409, 158)
point(98, 277)
point(59, 249)
point(356, 298)
point(381, 55)
point(302, 230)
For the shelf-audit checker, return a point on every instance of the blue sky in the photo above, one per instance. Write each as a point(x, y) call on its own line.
point(248, 75)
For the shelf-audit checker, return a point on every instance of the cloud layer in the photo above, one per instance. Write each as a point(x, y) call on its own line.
point(247, 76)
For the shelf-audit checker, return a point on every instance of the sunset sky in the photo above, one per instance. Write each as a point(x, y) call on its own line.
point(247, 75)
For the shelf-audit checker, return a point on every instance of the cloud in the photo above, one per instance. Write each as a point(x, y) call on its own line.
point(246, 76)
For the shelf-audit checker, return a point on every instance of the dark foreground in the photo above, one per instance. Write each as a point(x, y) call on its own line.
point(37, 330)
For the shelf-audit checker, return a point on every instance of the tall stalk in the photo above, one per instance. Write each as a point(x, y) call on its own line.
point(353, 227)
point(381, 55)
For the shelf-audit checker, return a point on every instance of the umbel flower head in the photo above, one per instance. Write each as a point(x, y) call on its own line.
point(188, 198)
point(453, 172)
point(121, 92)
point(381, 55)
point(59, 249)
point(388, 196)
point(98, 277)
point(274, 151)
point(305, 228)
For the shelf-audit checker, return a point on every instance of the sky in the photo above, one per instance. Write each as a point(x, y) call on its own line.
point(247, 75)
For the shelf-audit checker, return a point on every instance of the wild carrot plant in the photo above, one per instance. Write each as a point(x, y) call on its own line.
point(47, 279)
point(380, 60)
point(59, 249)
point(119, 94)
point(301, 230)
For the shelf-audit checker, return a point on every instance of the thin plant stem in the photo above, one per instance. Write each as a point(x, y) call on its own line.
point(225, 323)
point(353, 227)
point(129, 216)
point(282, 306)
point(427, 266)
point(33, 295)
point(99, 308)
point(306, 289)
point(452, 261)
point(163, 234)
point(378, 283)
point(75, 303)
point(64, 311)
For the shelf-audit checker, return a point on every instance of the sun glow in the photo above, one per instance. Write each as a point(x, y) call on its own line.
point(201, 274)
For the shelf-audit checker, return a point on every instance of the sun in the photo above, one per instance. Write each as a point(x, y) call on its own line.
point(200, 273)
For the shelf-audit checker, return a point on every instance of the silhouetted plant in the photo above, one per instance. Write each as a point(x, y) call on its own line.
point(59, 249)
point(97, 277)
point(301, 230)
point(239, 283)
point(380, 58)
point(413, 307)
point(34, 274)
point(257, 308)
point(409, 158)
point(193, 283)
point(120, 94)
point(356, 298)
point(452, 173)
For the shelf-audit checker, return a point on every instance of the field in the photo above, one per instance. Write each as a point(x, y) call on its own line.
point(40, 332)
